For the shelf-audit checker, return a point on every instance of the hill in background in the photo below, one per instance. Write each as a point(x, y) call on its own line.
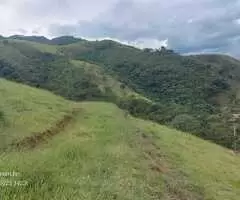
point(197, 94)
point(63, 40)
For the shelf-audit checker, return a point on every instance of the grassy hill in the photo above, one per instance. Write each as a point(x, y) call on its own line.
point(197, 94)
point(40, 65)
point(24, 111)
point(103, 153)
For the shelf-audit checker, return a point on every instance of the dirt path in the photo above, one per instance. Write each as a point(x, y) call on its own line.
point(42, 137)
point(176, 184)
point(153, 154)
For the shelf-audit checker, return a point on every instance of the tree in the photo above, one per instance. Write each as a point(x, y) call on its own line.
point(186, 123)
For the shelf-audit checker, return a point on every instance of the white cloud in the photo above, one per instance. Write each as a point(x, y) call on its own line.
point(39, 14)
point(139, 43)
point(237, 21)
point(185, 25)
point(149, 43)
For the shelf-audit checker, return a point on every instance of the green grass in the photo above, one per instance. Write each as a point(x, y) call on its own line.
point(105, 154)
point(26, 110)
point(212, 168)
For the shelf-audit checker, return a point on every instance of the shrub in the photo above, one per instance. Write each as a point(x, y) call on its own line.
point(186, 123)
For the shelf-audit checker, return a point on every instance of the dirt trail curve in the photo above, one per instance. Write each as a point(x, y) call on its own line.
point(42, 137)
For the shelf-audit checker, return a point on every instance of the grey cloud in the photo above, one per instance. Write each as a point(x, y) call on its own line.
point(64, 9)
point(188, 25)
point(20, 31)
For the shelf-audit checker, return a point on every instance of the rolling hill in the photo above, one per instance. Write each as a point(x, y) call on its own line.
point(197, 94)
point(39, 65)
point(163, 75)
point(59, 149)
point(63, 40)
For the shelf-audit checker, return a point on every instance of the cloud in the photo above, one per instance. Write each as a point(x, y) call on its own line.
point(184, 25)
point(32, 15)
point(140, 43)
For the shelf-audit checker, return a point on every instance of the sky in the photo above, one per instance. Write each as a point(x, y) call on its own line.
point(187, 26)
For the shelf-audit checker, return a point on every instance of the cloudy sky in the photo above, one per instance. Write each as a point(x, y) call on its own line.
point(184, 25)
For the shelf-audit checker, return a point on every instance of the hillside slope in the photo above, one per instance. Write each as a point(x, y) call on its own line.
point(163, 75)
point(25, 110)
point(201, 89)
point(196, 94)
point(102, 153)
point(41, 66)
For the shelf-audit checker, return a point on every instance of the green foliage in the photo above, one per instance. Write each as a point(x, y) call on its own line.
point(161, 75)
point(186, 123)
point(64, 40)
point(142, 108)
point(72, 79)
point(50, 72)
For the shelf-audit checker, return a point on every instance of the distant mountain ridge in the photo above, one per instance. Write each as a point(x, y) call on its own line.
point(62, 40)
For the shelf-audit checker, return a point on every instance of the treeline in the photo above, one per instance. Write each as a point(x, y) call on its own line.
point(215, 128)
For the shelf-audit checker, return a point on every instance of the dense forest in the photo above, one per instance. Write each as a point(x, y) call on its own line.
point(197, 94)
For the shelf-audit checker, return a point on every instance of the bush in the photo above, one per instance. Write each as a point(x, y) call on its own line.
point(186, 123)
